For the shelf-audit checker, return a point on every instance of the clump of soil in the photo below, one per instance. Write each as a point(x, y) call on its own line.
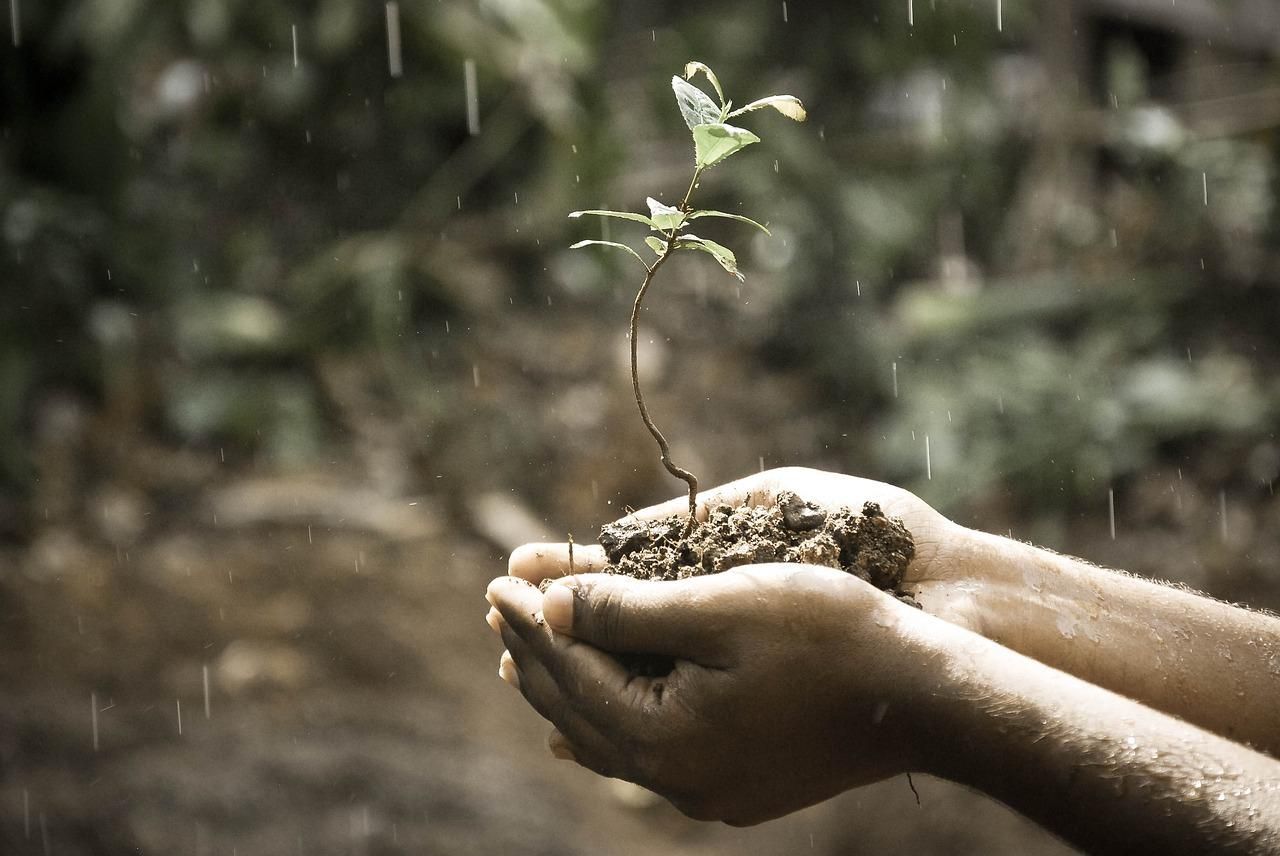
point(869, 545)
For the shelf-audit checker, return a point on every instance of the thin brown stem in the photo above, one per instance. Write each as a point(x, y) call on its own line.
point(679, 472)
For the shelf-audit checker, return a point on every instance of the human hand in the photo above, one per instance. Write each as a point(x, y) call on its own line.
point(938, 579)
point(791, 683)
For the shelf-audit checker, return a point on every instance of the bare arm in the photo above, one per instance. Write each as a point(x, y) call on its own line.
point(1208, 662)
point(1102, 771)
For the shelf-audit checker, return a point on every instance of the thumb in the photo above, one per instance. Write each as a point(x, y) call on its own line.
point(624, 615)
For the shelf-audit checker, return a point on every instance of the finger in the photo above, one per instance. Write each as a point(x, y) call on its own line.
point(590, 746)
point(538, 562)
point(681, 618)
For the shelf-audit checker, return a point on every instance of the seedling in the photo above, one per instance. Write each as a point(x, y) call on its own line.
point(714, 140)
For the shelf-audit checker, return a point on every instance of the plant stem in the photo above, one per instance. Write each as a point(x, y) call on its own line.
point(680, 473)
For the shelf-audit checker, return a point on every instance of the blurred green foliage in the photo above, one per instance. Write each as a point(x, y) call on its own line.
point(1021, 244)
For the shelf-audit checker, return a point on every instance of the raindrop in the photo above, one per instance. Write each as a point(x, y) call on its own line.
point(1222, 512)
point(293, 29)
point(762, 463)
point(14, 23)
point(895, 380)
point(93, 718)
point(1204, 179)
point(1111, 511)
point(1000, 16)
point(928, 460)
point(857, 287)
point(178, 702)
point(1115, 239)
point(911, 13)
point(784, 12)
point(204, 676)
point(395, 63)
point(475, 375)
point(471, 90)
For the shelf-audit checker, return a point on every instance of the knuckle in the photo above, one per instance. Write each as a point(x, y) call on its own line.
point(609, 613)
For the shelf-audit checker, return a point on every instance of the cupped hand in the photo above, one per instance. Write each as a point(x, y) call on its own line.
point(935, 577)
point(791, 683)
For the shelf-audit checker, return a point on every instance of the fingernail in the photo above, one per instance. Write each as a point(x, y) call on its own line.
point(560, 749)
point(507, 670)
point(557, 607)
point(492, 618)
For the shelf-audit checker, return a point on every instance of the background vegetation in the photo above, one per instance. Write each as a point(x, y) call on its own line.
point(269, 311)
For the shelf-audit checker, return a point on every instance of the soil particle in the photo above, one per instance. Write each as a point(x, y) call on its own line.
point(868, 545)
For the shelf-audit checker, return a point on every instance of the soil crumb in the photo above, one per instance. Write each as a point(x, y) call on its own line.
point(868, 545)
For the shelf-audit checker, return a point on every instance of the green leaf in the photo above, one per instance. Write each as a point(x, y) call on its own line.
point(787, 105)
point(582, 244)
point(695, 105)
point(622, 215)
point(692, 68)
point(694, 215)
point(721, 253)
point(713, 142)
point(658, 245)
point(664, 217)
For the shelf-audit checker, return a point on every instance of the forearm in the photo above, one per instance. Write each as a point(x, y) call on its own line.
point(1210, 663)
point(1102, 771)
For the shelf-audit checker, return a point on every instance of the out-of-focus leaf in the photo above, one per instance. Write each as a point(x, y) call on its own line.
point(696, 106)
point(714, 142)
point(694, 215)
point(622, 215)
point(664, 217)
point(787, 105)
point(692, 68)
point(720, 253)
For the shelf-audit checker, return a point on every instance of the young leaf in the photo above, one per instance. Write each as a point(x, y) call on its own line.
point(787, 105)
point(692, 68)
point(720, 253)
point(713, 142)
point(695, 106)
point(664, 217)
point(656, 244)
point(694, 215)
point(622, 215)
point(582, 244)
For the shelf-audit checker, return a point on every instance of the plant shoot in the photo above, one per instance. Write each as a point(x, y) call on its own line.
point(714, 140)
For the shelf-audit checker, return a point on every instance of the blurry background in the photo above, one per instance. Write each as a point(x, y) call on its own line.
point(292, 352)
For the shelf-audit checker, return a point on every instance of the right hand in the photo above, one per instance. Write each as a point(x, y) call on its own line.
point(791, 683)
point(935, 577)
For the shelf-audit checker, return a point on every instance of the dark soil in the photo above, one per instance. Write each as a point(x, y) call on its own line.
point(869, 545)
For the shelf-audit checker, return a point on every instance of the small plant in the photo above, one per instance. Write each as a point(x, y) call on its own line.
point(713, 141)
